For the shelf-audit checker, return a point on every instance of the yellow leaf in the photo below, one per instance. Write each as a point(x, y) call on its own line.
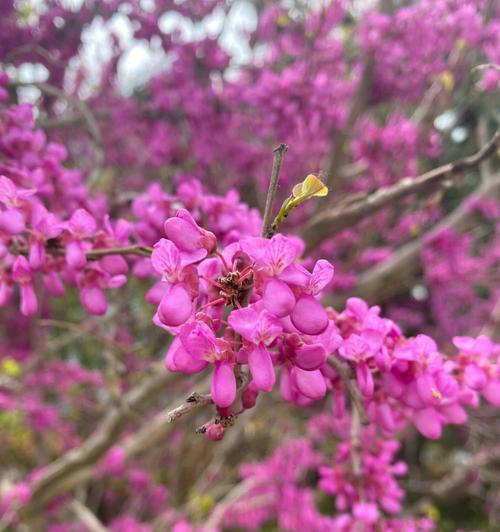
point(310, 187)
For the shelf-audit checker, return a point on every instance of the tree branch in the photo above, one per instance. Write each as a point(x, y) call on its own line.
point(397, 274)
point(53, 479)
point(338, 142)
point(356, 207)
point(86, 517)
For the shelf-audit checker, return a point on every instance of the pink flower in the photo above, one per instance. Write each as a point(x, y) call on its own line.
point(21, 274)
point(193, 242)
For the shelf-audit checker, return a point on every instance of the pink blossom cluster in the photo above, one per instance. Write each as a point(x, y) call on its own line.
point(298, 85)
point(50, 223)
point(272, 300)
point(282, 488)
point(413, 44)
point(467, 274)
point(254, 304)
point(245, 307)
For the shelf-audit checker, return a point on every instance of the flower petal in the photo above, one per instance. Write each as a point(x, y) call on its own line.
point(278, 298)
point(223, 385)
point(309, 316)
point(262, 369)
point(175, 306)
point(310, 357)
point(310, 383)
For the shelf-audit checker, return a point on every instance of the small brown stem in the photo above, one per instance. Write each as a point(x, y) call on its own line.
point(279, 153)
point(356, 443)
point(95, 254)
point(143, 251)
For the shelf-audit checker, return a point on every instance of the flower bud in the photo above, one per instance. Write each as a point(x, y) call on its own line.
point(249, 398)
point(215, 432)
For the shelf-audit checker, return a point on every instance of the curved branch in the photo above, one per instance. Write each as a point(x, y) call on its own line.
point(53, 479)
point(356, 207)
point(397, 274)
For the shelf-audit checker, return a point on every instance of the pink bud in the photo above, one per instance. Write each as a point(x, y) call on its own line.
point(249, 397)
point(215, 432)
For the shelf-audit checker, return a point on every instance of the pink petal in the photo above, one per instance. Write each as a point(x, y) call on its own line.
point(286, 385)
point(53, 283)
point(166, 259)
point(94, 300)
point(491, 392)
point(184, 233)
point(474, 377)
point(175, 307)
point(223, 385)
point(36, 255)
point(367, 512)
point(82, 223)
point(262, 369)
point(75, 255)
point(385, 417)
point(178, 359)
point(365, 379)
point(244, 322)
point(114, 264)
point(309, 316)
point(310, 383)
point(310, 357)
point(428, 423)
point(425, 387)
point(454, 413)
point(12, 222)
point(321, 276)
point(156, 292)
point(278, 298)
point(29, 303)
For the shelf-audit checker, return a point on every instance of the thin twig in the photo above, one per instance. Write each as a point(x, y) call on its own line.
point(356, 443)
point(143, 251)
point(279, 153)
point(193, 402)
point(485, 66)
point(86, 517)
point(94, 254)
point(357, 401)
